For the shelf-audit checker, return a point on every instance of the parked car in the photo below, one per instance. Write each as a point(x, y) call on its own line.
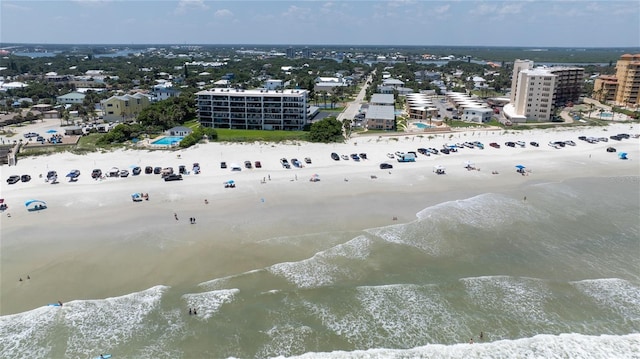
point(391, 155)
point(124, 173)
point(363, 155)
point(510, 144)
point(247, 164)
point(520, 143)
point(296, 163)
point(307, 160)
point(223, 165)
point(494, 145)
point(25, 178)
point(534, 144)
point(257, 164)
point(423, 151)
point(603, 139)
point(615, 137)
point(445, 151)
point(97, 173)
point(570, 143)
point(148, 170)
point(136, 171)
point(355, 157)
point(624, 135)
point(173, 177)
point(13, 179)
point(157, 170)
point(386, 166)
point(611, 149)
point(345, 157)
point(31, 134)
point(285, 163)
point(335, 157)
point(582, 138)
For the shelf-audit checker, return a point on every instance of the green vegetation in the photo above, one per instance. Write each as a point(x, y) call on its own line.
point(230, 135)
point(197, 135)
point(327, 130)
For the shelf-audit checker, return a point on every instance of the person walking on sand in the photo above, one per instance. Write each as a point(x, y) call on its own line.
point(190, 312)
point(175, 215)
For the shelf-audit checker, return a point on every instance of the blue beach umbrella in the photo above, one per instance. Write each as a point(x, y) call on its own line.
point(520, 167)
point(622, 155)
point(52, 131)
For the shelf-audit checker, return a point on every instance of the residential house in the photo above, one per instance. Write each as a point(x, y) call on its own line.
point(120, 108)
point(179, 131)
point(380, 117)
point(71, 98)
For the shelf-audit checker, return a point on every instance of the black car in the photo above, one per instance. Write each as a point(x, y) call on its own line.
point(247, 164)
point(285, 163)
point(223, 165)
point(182, 169)
point(96, 173)
point(534, 144)
point(423, 151)
point(173, 177)
point(615, 137)
point(363, 155)
point(445, 151)
point(51, 174)
point(157, 170)
point(582, 138)
point(257, 164)
point(25, 178)
point(148, 170)
point(386, 166)
point(136, 171)
point(611, 149)
point(13, 179)
point(510, 144)
point(335, 157)
point(623, 135)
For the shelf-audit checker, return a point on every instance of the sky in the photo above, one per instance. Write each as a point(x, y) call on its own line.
point(531, 23)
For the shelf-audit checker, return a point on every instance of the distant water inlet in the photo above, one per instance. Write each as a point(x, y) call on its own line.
point(168, 140)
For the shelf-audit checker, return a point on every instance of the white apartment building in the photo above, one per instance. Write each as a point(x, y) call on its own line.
point(537, 92)
point(253, 109)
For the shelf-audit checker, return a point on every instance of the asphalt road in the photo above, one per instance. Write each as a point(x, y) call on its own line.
point(351, 110)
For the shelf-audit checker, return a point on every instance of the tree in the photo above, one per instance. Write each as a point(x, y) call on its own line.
point(326, 130)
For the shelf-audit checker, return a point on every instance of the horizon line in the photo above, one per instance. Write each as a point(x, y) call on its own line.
point(2, 44)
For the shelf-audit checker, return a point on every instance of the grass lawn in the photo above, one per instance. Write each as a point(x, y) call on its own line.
point(230, 135)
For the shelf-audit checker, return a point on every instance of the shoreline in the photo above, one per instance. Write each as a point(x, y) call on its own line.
point(94, 242)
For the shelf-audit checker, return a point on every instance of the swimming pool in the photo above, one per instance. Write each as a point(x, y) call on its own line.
point(422, 125)
point(168, 140)
point(606, 114)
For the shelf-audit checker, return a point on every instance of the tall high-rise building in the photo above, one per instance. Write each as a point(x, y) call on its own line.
point(624, 87)
point(537, 92)
point(291, 52)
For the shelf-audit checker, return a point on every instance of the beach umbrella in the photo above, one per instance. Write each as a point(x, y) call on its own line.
point(622, 155)
point(52, 131)
point(230, 182)
point(520, 167)
point(468, 163)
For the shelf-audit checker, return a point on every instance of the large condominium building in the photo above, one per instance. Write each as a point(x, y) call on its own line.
point(253, 109)
point(537, 92)
point(624, 87)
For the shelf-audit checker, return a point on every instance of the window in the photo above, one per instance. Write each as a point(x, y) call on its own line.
point(109, 105)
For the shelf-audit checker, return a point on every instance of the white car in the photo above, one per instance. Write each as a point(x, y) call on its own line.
point(520, 143)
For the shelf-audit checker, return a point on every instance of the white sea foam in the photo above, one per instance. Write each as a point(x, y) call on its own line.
point(221, 283)
point(89, 325)
point(285, 339)
point(325, 267)
point(617, 295)
point(24, 334)
point(402, 315)
point(513, 297)
point(484, 212)
point(207, 304)
point(105, 323)
point(540, 346)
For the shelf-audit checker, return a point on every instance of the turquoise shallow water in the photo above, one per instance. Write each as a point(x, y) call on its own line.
point(555, 275)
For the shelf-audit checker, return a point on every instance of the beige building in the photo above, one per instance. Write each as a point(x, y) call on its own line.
point(121, 108)
point(624, 87)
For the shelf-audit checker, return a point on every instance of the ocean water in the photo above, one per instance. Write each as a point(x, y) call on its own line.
point(554, 276)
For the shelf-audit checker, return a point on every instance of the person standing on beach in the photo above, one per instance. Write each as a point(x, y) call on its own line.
point(175, 215)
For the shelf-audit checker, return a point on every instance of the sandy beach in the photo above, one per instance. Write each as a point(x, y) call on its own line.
point(93, 241)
